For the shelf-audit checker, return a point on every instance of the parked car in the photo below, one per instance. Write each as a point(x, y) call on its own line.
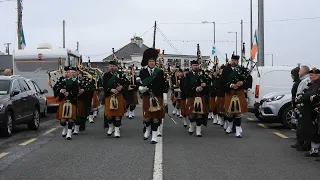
point(18, 105)
point(276, 108)
point(267, 79)
point(40, 95)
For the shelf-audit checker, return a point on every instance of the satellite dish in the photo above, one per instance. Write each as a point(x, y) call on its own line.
point(44, 46)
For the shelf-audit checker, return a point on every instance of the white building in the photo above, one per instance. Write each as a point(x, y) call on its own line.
point(132, 54)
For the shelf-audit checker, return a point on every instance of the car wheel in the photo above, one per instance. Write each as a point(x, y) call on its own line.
point(35, 122)
point(8, 127)
point(286, 117)
point(45, 112)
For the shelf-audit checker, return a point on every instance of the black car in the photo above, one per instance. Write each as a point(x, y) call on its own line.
point(18, 105)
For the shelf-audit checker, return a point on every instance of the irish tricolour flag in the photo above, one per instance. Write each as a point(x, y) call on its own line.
point(22, 41)
point(254, 49)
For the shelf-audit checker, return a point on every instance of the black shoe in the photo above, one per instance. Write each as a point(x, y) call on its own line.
point(304, 147)
point(190, 133)
point(199, 135)
point(153, 142)
point(312, 154)
point(117, 137)
point(68, 138)
point(144, 138)
point(296, 145)
point(185, 126)
point(64, 135)
point(109, 134)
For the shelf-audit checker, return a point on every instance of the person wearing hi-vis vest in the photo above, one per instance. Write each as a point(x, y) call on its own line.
point(114, 85)
point(154, 95)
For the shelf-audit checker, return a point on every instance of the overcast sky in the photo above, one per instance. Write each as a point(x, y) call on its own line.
point(101, 25)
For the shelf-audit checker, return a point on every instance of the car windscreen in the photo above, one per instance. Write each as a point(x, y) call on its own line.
point(4, 87)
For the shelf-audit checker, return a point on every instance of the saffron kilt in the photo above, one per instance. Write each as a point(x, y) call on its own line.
point(243, 103)
point(117, 112)
point(183, 108)
point(60, 109)
point(219, 105)
point(151, 115)
point(95, 100)
point(190, 105)
point(212, 101)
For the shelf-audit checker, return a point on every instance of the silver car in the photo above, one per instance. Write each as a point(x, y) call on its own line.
point(39, 93)
point(276, 108)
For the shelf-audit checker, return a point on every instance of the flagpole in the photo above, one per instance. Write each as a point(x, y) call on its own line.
point(19, 16)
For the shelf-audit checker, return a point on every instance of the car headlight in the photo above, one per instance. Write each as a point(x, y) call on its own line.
point(276, 98)
point(1, 107)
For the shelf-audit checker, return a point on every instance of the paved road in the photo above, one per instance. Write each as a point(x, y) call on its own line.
point(263, 153)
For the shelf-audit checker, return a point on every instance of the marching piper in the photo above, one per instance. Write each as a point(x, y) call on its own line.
point(85, 85)
point(196, 103)
point(114, 86)
point(184, 96)
point(235, 79)
point(153, 94)
point(219, 108)
point(176, 91)
point(132, 94)
point(67, 89)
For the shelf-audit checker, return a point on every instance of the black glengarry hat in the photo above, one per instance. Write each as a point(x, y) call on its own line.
point(148, 54)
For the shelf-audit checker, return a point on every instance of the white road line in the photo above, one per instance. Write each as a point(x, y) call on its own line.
point(158, 153)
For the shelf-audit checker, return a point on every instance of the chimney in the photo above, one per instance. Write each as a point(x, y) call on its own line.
point(137, 40)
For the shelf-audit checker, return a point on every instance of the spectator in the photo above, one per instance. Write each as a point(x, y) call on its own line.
point(296, 80)
point(304, 77)
point(7, 72)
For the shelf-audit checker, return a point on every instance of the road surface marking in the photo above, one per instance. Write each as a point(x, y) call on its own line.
point(28, 142)
point(3, 154)
point(280, 135)
point(158, 152)
point(51, 130)
point(262, 125)
point(250, 119)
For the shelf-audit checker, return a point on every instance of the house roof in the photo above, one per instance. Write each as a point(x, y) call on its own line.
point(128, 50)
point(6, 62)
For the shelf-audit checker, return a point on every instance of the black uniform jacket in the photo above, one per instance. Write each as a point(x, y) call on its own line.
point(110, 82)
point(157, 86)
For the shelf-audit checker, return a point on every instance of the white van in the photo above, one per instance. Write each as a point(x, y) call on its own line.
point(268, 79)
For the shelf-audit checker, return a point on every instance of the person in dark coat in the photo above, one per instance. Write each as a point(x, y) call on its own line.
point(296, 80)
point(307, 103)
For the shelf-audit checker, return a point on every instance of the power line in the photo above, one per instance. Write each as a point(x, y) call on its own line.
point(146, 31)
point(166, 39)
point(193, 41)
point(268, 21)
point(7, 1)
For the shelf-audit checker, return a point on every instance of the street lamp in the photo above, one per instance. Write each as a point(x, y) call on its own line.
point(271, 58)
point(236, 41)
point(214, 30)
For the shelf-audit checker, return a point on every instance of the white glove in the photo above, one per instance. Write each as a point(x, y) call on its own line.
point(143, 89)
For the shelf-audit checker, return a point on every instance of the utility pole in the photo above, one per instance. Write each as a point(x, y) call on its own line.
point(261, 33)
point(154, 34)
point(64, 34)
point(7, 48)
point(77, 47)
point(19, 16)
point(242, 44)
point(251, 35)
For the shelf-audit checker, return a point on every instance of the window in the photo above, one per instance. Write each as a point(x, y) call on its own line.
point(170, 62)
point(23, 85)
point(177, 62)
point(31, 85)
point(36, 86)
point(186, 63)
point(16, 86)
point(4, 87)
point(36, 65)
